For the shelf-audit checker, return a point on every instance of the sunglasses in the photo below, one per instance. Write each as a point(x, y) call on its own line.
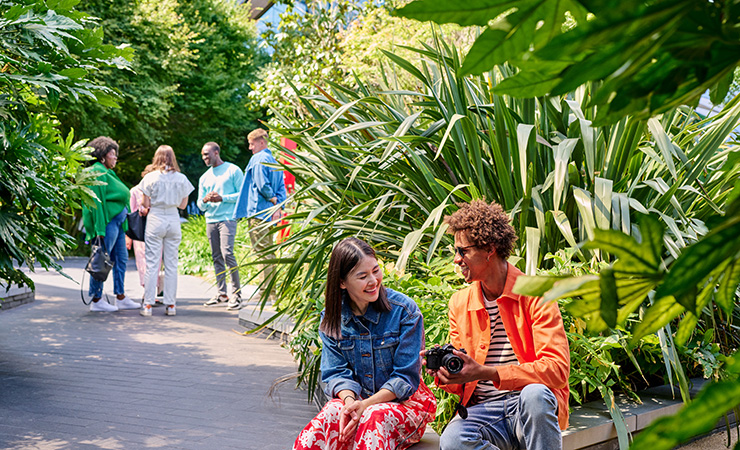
point(461, 250)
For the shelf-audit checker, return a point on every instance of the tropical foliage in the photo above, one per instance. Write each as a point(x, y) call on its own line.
point(386, 165)
point(651, 56)
point(50, 51)
point(700, 286)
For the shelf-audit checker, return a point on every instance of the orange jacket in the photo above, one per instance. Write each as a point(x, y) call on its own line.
point(536, 333)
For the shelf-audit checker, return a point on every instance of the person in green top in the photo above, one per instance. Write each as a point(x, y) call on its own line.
point(107, 219)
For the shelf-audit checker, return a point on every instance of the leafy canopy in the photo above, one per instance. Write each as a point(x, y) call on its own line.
point(188, 84)
point(651, 56)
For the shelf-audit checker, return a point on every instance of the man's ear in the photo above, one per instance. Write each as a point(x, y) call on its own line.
point(491, 251)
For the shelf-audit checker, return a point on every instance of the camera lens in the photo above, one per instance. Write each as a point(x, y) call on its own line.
point(452, 363)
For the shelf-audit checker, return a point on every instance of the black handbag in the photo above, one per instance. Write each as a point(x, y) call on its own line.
point(136, 226)
point(99, 264)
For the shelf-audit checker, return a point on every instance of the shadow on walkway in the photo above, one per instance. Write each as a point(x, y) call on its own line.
point(72, 379)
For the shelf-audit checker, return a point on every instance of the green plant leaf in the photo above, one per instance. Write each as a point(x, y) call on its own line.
point(534, 286)
point(586, 286)
point(725, 297)
point(474, 12)
point(718, 93)
point(500, 42)
point(698, 260)
point(609, 299)
point(533, 80)
point(696, 418)
point(656, 316)
point(685, 328)
point(633, 258)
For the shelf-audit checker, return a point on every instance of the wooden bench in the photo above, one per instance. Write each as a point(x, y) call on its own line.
point(591, 426)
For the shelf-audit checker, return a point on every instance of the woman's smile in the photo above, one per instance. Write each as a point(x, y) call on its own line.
point(363, 283)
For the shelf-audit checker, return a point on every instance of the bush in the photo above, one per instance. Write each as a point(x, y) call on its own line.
point(50, 51)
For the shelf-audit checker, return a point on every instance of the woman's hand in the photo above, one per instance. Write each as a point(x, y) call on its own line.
point(349, 418)
point(129, 242)
point(146, 203)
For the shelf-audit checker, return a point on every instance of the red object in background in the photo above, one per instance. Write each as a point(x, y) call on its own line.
point(289, 183)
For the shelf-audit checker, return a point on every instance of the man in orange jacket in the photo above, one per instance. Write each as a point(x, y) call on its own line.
point(513, 384)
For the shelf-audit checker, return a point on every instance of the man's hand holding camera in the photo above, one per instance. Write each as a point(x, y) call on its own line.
point(460, 368)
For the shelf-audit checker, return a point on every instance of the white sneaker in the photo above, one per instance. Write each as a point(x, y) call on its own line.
point(102, 306)
point(146, 310)
point(170, 310)
point(127, 303)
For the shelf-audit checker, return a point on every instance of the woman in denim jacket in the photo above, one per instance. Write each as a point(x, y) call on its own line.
point(370, 360)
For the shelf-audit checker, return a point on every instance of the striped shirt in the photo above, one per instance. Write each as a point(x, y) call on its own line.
point(500, 353)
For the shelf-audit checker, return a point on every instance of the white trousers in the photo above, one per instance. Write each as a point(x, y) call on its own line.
point(162, 237)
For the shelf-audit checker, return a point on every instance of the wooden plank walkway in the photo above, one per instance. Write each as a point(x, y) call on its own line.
point(72, 379)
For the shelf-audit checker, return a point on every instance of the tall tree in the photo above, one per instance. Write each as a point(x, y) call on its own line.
point(212, 105)
point(194, 62)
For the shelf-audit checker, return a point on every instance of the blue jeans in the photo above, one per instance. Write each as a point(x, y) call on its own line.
point(115, 243)
point(527, 421)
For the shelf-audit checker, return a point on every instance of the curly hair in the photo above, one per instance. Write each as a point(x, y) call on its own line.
point(102, 145)
point(484, 225)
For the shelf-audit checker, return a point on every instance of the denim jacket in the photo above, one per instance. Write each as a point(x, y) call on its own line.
point(376, 350)
point(260, 184)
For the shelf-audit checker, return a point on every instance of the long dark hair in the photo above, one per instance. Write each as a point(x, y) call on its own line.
point(344, 258)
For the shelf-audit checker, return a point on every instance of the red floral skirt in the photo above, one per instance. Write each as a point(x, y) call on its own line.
point(385, 426)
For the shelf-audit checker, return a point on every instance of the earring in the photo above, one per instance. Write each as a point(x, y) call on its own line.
point(488, 258)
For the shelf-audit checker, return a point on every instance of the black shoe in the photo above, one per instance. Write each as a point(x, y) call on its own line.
point(216, 300)
point(235, 303)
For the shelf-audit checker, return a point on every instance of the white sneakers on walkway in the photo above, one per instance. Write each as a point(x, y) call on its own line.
point(102, 306)
point(124, 303)
point(169, 310)
point(127, 303)
point(146, 310)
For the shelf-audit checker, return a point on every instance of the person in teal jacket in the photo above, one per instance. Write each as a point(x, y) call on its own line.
point(218, 190)
point(107, 219)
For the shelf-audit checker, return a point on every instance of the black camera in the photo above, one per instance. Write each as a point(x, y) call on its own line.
point(443, 357)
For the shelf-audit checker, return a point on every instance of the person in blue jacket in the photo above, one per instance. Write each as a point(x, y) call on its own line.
point(263, 188)
point(370, 362)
